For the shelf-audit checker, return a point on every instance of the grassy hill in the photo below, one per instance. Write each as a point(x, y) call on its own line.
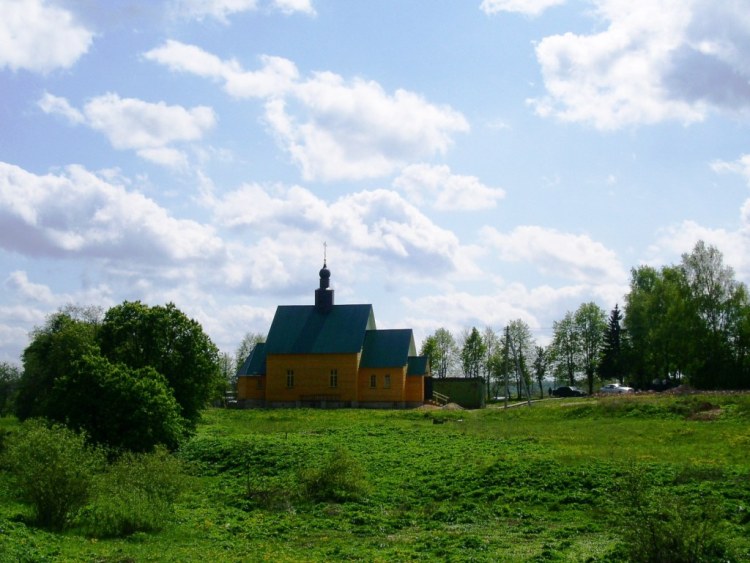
point(563, 480)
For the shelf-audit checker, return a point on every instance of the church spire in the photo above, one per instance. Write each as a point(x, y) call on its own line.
point(324, 294)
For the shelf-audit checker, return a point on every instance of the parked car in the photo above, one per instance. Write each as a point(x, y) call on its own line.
point(568, 391)
point(615, 388)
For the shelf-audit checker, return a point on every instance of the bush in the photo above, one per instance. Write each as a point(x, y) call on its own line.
point(659, 527)
point(339, 478)
point(135, 494)
point(52, 468)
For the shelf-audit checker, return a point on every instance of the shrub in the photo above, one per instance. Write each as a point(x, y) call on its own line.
point(135, 494)
point(52, 468)
point(339, 478)
point(659, 527)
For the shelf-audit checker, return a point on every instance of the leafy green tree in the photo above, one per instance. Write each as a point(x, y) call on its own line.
point(52, 469)
point(10, 376)
point(491, 345)
point(519, 346)
point(118, 406)
point(717, 301)
point(53, 351)
point(165, 339)
point(590, 323)
point(611, 362)
point(541, 365)
point(472, 354)
point(441, 349)
point(565, 349)
point(688, 320)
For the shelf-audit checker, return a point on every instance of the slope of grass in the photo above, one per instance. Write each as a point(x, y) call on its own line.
point(544, 483)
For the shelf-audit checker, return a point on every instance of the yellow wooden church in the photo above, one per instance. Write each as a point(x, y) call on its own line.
point(328, 355)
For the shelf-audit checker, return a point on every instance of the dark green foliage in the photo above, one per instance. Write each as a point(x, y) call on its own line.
point(53, 351)
point(10, 377)
point(135, 380)
point(611, 366)
point(165, 339)
point(121, 407)
point(135, 494)
point(52, 469)
point(690, 320)
point(338, 478)
point(665, 528)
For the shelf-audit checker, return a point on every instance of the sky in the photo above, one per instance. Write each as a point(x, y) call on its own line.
point(466, 163)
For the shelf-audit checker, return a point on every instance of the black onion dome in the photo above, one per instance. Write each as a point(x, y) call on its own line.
point(325, 272)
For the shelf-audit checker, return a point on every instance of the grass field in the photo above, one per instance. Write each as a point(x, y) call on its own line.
point(562, 480)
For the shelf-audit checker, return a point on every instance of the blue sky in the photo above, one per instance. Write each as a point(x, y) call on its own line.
point(467, 163)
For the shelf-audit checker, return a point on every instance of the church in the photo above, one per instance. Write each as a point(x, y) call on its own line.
point(329, 356)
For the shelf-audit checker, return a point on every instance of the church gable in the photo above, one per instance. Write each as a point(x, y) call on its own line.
point(387, 348)
point(303, 329)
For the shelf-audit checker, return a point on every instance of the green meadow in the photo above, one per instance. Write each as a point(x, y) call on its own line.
point(592, 479)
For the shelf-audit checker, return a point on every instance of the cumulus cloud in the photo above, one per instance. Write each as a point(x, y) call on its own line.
point(40, 37)
point(332, 128)
point(655, 61)
point(527, 7)
point(575, 257)
point(740, 166)
point(77, 214)
point(438, 187)
point(376, 224)
point(132, 124)
point(221, 10)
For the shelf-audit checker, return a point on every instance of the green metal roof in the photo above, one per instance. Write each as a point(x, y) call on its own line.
point(303, 329)
point(255, 363)
point(418, 365)
point(387, 348)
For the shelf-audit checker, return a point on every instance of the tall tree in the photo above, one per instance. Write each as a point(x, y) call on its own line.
point(541, 365)
point(442, 351)
point(520, 345)
point(590, 323)
point(164, 338)
point(472, 354)
point(565, 348)
point(10, 376)
point(53, 351)
point(491, 345)
point(611, 363)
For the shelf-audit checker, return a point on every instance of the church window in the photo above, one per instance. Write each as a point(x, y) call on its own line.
point(334, 378)
point(290, 378)
point(373, 381)
point(387, 381)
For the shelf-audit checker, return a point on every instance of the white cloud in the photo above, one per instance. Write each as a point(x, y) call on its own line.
point(293, 6)
point(527, 7)
point(373, 225)
point(332, 128)
point(77, 214)
point(18, 281)
point(221, 10)
point(39, 37)
point(436, 186)
point(276, 76)
point(675, 240)
point(655, 61)
point(740, 166)
point(575, 257)
point(129, 123)
point(56, 105)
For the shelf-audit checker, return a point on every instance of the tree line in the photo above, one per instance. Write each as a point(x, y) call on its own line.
point(684, 323)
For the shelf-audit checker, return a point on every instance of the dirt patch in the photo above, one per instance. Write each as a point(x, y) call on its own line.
point(708, 414)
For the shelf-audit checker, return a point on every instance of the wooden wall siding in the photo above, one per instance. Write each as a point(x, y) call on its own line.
point(380, 393)
point(414, 389)
point(312, 376)
point(248, 387)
